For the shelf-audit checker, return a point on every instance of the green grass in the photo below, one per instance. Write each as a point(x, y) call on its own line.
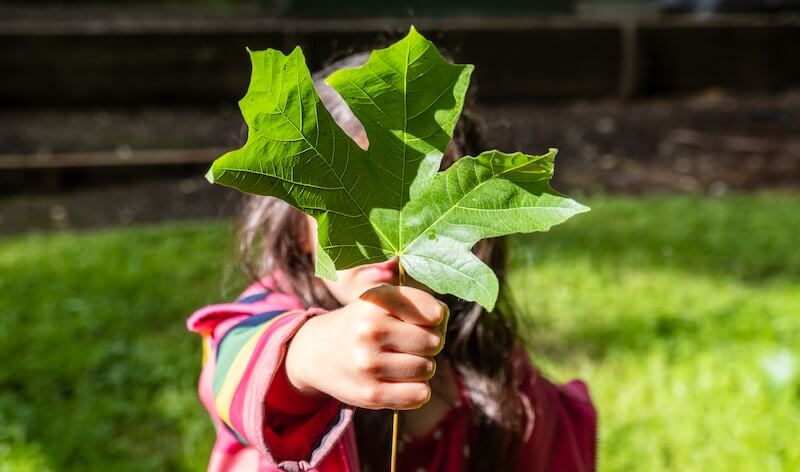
point(99, 371)
point(683, 315)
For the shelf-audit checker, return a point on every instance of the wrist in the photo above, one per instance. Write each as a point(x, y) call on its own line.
point(297, 360)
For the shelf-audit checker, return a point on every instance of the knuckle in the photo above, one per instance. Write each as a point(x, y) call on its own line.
point(362, 330)
point(366, 363)
point(368, 303)
point(369, 331)
point(371, 395)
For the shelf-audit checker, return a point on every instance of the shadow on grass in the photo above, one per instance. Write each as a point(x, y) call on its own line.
point(747, 237)
point(664, 271)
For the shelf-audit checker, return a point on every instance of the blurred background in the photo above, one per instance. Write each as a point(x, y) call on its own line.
point(677, 298)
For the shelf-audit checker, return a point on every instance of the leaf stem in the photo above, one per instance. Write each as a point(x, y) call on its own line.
point(396, 414)
point(402, 274)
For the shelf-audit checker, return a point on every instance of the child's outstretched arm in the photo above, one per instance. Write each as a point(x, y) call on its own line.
point(294, 407)
point(243, 386)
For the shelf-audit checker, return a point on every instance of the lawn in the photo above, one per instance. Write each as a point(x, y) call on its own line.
point(683, 315)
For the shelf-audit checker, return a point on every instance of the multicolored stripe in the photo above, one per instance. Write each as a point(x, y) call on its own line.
point(235, 352)
point(244, 343)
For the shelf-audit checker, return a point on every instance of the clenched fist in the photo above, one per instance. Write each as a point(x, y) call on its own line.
point(376, 352)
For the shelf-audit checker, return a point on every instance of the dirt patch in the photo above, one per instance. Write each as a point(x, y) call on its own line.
point(138, 203)
point(706, 144)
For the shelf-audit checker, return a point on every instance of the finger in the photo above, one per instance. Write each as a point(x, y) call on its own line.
point(395, 395)
point(398, 366)
point(409, 304)
point(412, 339)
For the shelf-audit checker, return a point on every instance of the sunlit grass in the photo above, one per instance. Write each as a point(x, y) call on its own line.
point(99, 371)
point(683, 315)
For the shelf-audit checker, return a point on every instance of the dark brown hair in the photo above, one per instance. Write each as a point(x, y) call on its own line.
point(272, 236)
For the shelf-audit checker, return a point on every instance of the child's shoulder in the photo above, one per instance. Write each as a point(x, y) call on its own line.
point(259, 298)
point(562, 420)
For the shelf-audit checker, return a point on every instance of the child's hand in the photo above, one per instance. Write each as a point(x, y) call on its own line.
point(377, 352)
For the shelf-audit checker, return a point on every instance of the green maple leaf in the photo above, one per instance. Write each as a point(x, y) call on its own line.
point(389, 200)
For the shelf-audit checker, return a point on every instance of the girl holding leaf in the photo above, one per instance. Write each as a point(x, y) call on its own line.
point(299, 372)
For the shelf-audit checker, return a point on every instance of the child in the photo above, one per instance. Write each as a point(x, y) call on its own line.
point(300, 373)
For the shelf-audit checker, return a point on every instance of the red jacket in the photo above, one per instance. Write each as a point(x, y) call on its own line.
point(262, 425)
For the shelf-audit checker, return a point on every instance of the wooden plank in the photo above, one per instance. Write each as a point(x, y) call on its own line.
point(748, 56)
point(202, 60)
point(127, 25)
point(109, 158)
point(514, 61)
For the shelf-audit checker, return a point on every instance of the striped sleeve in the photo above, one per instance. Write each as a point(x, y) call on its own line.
point(252, 398)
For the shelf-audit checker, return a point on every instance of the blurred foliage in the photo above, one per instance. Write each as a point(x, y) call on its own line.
point(681, 313)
